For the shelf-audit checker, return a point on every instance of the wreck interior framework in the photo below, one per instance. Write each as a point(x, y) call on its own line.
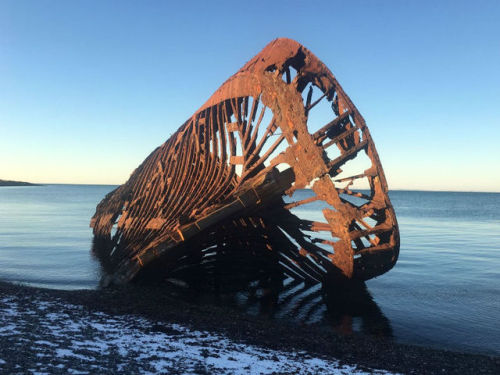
point(278, 165)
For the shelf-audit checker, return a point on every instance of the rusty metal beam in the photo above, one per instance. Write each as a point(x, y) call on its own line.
point(228, 168)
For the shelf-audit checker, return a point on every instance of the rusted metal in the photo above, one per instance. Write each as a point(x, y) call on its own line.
point(218, 184)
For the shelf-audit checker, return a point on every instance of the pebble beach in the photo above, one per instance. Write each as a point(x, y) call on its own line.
point(146, 330)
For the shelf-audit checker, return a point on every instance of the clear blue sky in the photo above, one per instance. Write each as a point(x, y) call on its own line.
point(89, 88)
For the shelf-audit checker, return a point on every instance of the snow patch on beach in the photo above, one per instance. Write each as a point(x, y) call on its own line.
point(55, 337)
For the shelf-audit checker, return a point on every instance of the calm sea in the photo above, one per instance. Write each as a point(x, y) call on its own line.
point(443, 292)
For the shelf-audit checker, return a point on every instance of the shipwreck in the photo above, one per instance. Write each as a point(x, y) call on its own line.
point(255, 172)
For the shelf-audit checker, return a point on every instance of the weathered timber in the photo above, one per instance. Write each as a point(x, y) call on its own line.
point(218, 184)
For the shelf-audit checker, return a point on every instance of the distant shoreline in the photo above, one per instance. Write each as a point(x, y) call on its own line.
point(16, 183)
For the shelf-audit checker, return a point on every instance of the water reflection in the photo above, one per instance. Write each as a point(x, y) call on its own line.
point(259, 289)
point(350, 307)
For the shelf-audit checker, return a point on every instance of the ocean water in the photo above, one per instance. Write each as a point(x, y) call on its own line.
point(45, 238)
point(445, 288)
point(443, 292)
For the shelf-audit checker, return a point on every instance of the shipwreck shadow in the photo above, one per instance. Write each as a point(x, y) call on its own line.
point(262, 290)
point(351, 308)
point(236, 269)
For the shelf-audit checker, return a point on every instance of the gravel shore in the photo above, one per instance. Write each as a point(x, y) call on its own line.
point(147, 330)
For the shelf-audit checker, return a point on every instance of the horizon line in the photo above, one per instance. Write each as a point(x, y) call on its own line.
point(396, 189)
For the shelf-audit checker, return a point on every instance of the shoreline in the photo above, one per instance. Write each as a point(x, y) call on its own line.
point(5, 183)
point(159, 304)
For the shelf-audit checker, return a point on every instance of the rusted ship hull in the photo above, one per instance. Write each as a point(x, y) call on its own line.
point(216, 186)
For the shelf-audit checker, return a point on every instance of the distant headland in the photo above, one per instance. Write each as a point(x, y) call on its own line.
point(16, 183)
